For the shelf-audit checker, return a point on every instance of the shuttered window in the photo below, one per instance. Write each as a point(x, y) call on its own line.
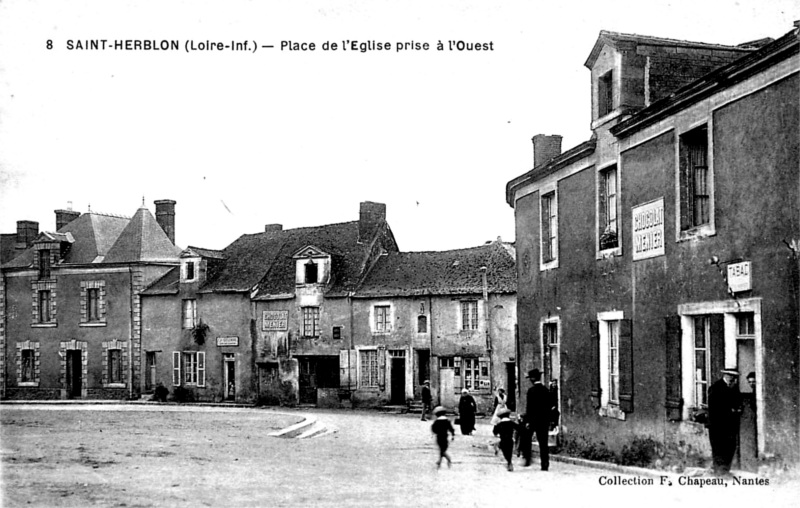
point(695, 179)
point(549, 227)
point(607, 209)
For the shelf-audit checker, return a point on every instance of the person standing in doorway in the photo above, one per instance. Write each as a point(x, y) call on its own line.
point(724, 411)
point(537, 419)
point(466, 412)
point(441, 427)
point(426, 399)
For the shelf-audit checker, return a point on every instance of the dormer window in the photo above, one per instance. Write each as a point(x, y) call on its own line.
point(605, 94)
point(44, 264)
point(311, 272)
point(190, 270)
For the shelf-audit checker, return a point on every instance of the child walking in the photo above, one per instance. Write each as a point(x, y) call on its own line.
point(505, 430)
point(441, 427)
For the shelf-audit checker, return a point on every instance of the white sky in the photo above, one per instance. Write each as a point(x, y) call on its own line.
point(240, 140)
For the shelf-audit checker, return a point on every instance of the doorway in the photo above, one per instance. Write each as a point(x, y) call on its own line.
point(150, 371)
point(511, 386)
point(308, 380)
point(748, 427)
point(398, 387)
point(229, 371)
point(423, 366)
point(74, 373)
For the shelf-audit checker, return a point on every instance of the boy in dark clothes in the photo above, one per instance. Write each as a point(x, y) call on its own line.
point(441, 426)
point(505, 429)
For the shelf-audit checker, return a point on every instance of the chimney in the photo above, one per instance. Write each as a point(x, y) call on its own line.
point(545, 148)
point(27, 231)
point(371, 217)
point(64, 217)
point(268, 228)
point(165, 216)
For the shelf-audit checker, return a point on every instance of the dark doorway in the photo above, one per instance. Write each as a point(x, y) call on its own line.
point(423, 365)
point(398, 381)
point(74, 374)
point(511, 385)
point(308, 381)
point(229, 360)
point(150, 371)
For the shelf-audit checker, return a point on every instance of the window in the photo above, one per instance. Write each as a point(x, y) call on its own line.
point(605, 94)
point(746, 326)
point(114, 366)
point(549, 228)
point(27, 366)
point(189, 314)
point(310, 321)
point(607, 209)
point(613, 362)
point(44, 264)
point(551, 358)
point(193, 366)
point(45, 316)
point(446, 363)
point(383, 322)
point(702, 353)
point(311, 272)
point(422, 324)
point(337, 333)
point(190, 270)
point(471, 373)
point(93, 304)
point(369, 368)
point(469, 315)
point(695, 179)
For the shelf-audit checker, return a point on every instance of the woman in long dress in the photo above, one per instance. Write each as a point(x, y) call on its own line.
point(466, 412)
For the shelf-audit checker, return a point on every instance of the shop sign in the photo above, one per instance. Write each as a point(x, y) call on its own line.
point(227, 341)
point(648, 230)
point(275, 320)
point(739, 277)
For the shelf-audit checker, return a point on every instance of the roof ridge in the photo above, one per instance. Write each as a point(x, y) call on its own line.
point(673, 41)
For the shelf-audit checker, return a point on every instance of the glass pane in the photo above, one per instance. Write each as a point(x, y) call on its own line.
point(699, 332)
point(700, 365)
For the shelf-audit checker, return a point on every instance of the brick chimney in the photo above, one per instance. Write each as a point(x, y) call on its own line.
point(165, 216)
point(370, 219)
point(268, 228)
point(27, 231)
point(64, 217)
point(545, 148)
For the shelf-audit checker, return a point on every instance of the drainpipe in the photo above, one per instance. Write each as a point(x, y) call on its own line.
point(488, 318)
point(430, 355)
point(350, 351)
point(130, 339)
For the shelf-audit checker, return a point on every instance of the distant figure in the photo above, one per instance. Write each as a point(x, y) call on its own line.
point(466, 412)
point(537, 419)
point(505, 430)
point(724, 410)
point(748, 430)
point(426, 399)
point(440, 428)
point(555, 414)
point(500, 401)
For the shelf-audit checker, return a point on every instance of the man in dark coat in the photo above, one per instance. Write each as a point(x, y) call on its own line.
point(537, 419)
point(426, 399)
point(724, 410)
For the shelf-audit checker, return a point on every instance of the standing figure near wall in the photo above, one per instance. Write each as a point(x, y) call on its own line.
point(466, 412)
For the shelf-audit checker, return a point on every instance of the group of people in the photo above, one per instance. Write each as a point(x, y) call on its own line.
point(541, 414)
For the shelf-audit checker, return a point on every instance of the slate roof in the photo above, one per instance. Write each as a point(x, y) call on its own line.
point(206, 253)
point(169, 284)
point(143, 239)
point(451, 272)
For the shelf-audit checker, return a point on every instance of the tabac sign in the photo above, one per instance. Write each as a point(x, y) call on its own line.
point(648, 230)
point(739, 277)
point(275, 320)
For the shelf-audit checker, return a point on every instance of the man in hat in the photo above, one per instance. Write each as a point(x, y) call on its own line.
point(426, 399)
point(724, 410)
point(537, 419)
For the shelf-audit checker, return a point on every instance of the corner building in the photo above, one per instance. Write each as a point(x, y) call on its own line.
point(665, 248)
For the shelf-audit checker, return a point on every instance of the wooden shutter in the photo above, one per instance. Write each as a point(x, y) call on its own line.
point(626, 365)
point(176, 368)
point(545, 218)
point(674, 386)
point(201, 368)
point(347, 369)
point(685, 182)
point(382, 368)
point(594, 362)
point(458, 374)
point(717, 331)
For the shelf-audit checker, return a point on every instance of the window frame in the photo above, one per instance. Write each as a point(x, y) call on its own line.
point(470, 315)
point(311, 315)
point(45, 297)
point(45, 263)
point(188, 313)
point(548, 200)
point(27, 366)
point(189, 368)
point(605, 209)
point(310, 268)
point(368, 367)
point(605, 94)
point(687, 224)
point(700, 387)
point(115, 371)
point(608, 323)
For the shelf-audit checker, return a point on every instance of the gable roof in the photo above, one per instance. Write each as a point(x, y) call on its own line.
point(143, 239)
point(452, 272)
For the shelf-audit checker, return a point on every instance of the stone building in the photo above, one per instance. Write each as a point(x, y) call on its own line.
point(665, 248)
point(69, 305)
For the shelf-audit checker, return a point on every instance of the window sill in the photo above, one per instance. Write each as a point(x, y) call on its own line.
point(28, 384)
point(550, 265)
point(44, 325)
point(612, 411)
point(93, 324)
point(114, 385)
point(697, 233)
point(608, 253)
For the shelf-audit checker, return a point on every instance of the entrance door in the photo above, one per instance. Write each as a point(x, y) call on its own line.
point(229, 366)
point(447, 397)
point(150, 371)
point(74, 374)
point(423, 365)
point(398, 381)
point(748, 443)
point(511, 386)
point(308, 381)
